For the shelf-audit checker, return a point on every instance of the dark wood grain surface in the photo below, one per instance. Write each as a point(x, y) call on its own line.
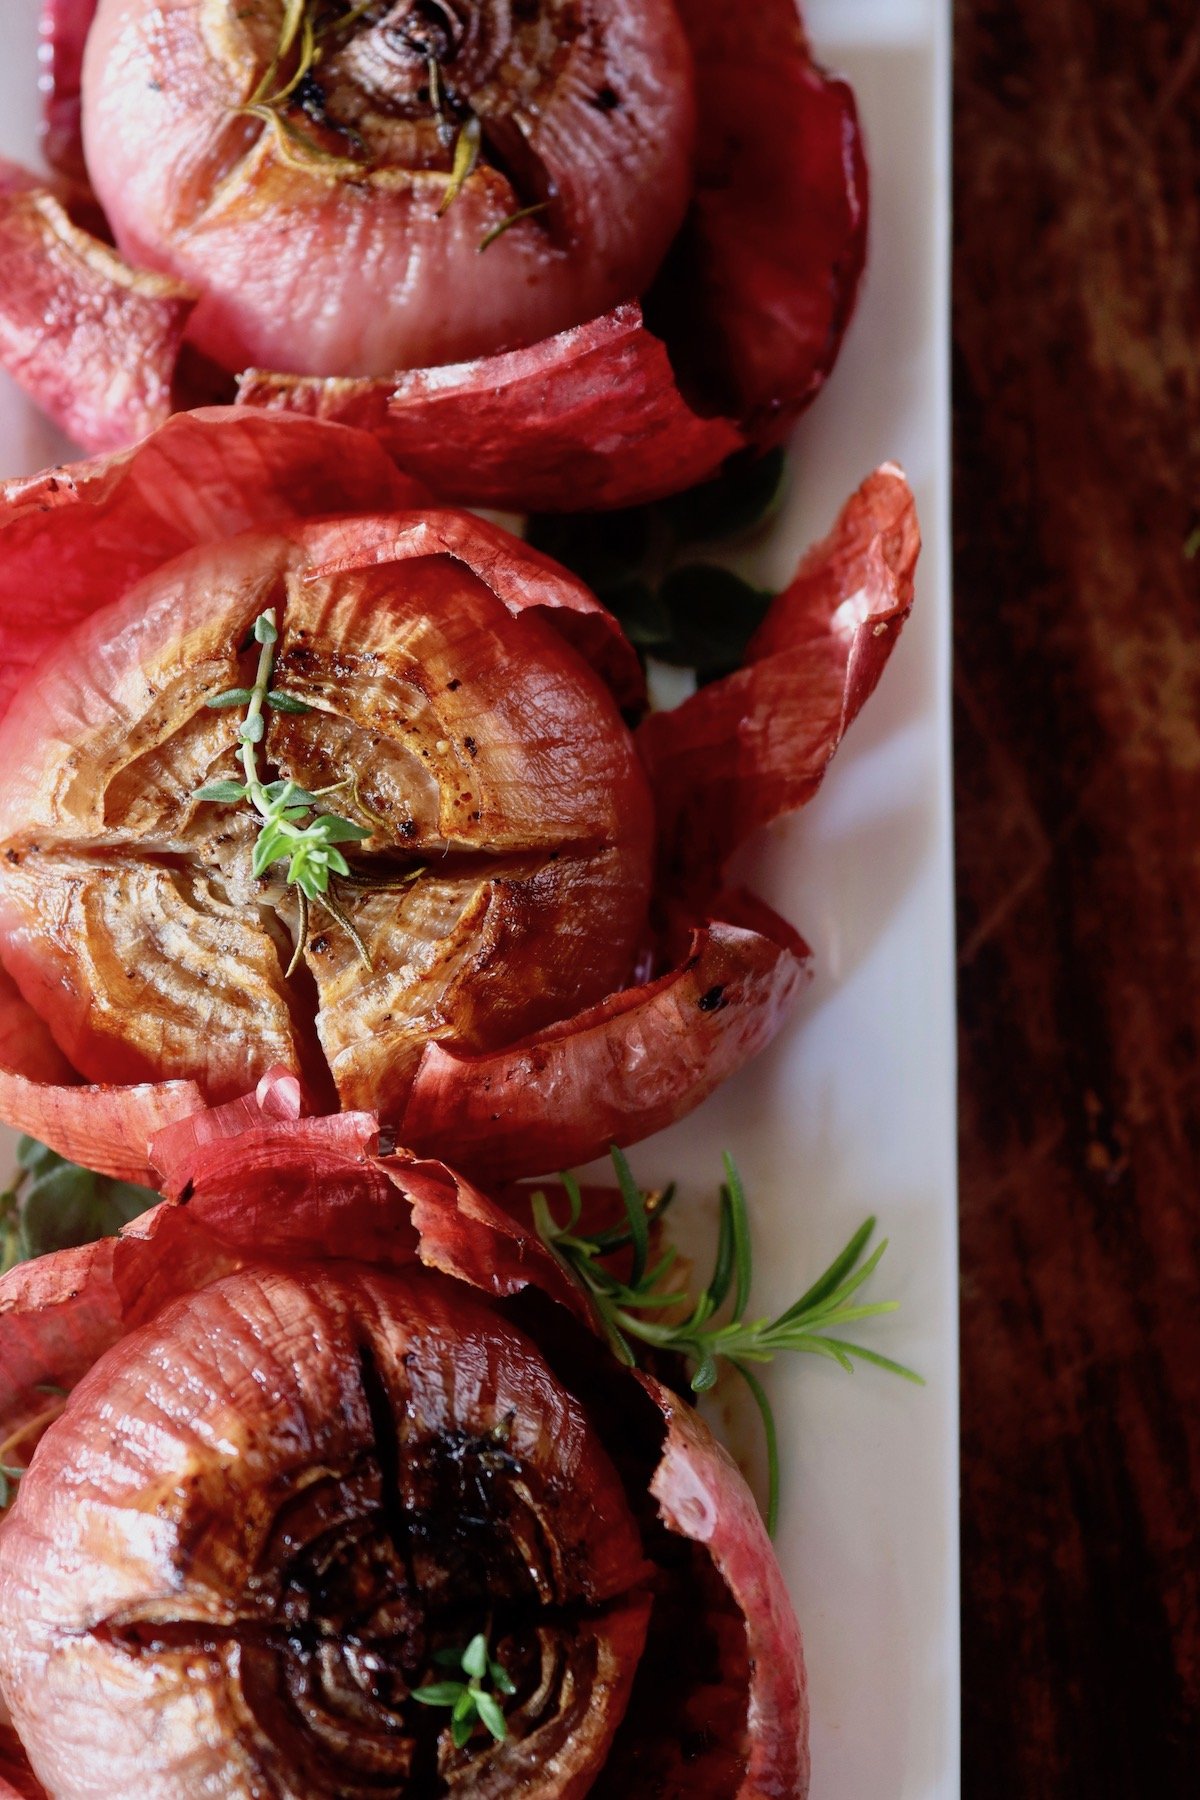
point(1077, 323)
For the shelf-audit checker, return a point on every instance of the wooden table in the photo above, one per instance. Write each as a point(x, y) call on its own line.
point(1077, 321)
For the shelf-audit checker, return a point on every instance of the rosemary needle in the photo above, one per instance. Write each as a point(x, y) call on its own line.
point(626, 1306)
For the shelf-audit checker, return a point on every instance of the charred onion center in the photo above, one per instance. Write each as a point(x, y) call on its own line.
point(502, 886)
point(295, 1499)
point(390, 84)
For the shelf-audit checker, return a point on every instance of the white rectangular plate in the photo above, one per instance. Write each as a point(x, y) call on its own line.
point(853, 1110)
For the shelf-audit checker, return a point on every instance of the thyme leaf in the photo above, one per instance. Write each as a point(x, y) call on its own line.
point(469, 1701)
point(653, 566)
point(626, 1305)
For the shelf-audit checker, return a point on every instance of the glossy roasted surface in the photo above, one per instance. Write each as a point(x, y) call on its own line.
point(1077, 303)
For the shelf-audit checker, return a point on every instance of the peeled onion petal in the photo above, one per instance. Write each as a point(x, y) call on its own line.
point(763, 279)
point(108, 1129)
point(203, 477)
point(246, 1180)
point(744, 750)
point(63, 28)
point(615, 1073)
point(702, 1495)
point(591, 418)
point(91, 339)
point(17, 1779)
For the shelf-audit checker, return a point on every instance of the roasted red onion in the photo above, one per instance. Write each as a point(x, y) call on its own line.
point(517, 1006)
point(555, 253)
point(586, 110)
point(310, 1435)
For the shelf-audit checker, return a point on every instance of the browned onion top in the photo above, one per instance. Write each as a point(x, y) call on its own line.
point(259, 1521)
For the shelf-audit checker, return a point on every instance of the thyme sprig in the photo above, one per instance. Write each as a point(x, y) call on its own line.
point(292, 828)
point(470, 1701)
point(630, 1306)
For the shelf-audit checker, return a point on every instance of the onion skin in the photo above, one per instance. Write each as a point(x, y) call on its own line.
point(757, 310)
point(93, 340)
point(747, 749)
point(90, 530)
point(63, 26)
point(17, 1780)
point(592, 418)
point(122, 1323)
point(615, 1074)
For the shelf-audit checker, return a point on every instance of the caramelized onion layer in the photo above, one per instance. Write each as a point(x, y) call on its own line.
point(411, 130)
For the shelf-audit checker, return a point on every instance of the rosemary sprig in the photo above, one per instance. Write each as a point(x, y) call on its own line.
point(626, 1307)
point(469, 1701)
point(300, 32)
point(291, 829)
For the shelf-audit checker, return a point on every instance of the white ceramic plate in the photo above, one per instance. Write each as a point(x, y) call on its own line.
point(853, 1110)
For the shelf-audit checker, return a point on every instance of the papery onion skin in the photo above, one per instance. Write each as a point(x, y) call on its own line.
point(226, 205)
point(76, 537)
point(93, 340)
point(746, 749)
point(63, 1313)
point(63, 28)
point(763, 280)
point(590, 419)
point(627, 1068)
point(17, 1780)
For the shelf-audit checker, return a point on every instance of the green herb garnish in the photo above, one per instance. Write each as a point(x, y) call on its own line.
point(470, 1701)
point(52, 1204)
point(466, 156)
point(292, 830)
point(507, 223)
point(626, 1305)
point(651, 566)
